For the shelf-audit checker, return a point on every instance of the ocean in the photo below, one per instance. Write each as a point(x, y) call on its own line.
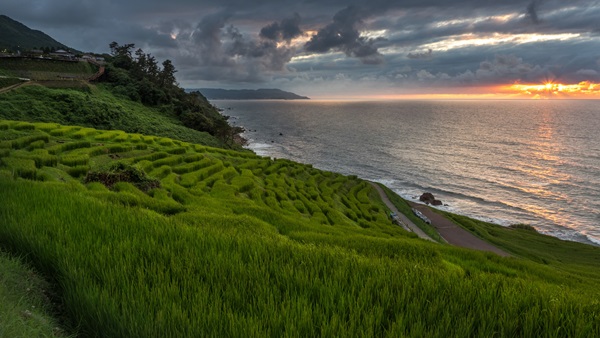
point(506, 162)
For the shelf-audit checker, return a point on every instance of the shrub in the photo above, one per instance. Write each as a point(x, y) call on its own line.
point(121, 172)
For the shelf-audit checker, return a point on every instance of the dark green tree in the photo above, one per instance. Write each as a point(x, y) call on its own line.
point(167, 75)
point(138, 76)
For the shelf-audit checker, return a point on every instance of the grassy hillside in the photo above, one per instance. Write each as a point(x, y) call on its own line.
point(132, 93)
point(46, 70)
point(14, 33)
point(94, 106)
point(173, 239)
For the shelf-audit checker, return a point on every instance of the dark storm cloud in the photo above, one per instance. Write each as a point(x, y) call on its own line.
point(218, 50)
point(285, 30)
point(343, 35)
point(532, 11)
point(270, 55)
point(240, 41)
point(207, 37)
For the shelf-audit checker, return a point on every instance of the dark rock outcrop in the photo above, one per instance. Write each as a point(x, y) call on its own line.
point(428, 198)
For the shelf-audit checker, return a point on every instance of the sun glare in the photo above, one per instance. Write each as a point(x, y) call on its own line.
point(584, 89)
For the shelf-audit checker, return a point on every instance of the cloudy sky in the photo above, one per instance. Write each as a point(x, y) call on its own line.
point(351, 49)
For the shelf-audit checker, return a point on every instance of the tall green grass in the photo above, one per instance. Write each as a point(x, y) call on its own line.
point(25, 308)
point(124, 272)
point(237, 245)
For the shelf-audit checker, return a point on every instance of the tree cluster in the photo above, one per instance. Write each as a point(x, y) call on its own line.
point(139, 77)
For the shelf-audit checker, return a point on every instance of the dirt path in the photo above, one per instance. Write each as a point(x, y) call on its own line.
point(454, 234)
point(15, 86)
point(412, 226)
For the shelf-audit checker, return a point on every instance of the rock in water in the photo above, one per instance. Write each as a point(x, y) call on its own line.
point(428, 198)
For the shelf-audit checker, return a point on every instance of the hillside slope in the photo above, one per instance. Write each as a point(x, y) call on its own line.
point(95, 106)
point(14, 33)
point(214, 242)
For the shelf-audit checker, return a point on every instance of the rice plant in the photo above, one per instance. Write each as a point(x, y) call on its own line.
point(229, 244)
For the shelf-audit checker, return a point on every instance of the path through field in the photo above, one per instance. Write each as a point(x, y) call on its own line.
point(454, 234)
point(412, 226)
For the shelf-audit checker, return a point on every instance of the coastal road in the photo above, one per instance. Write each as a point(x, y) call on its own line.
point(454, 234)
point(412, 226)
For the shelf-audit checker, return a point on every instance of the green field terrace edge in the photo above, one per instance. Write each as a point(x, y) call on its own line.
point(233, 244)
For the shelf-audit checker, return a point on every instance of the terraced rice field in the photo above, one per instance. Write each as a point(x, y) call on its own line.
point(188, 174)
point(153, 237)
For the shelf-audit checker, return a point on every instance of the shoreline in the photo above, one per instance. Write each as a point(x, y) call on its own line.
point(574, 236)
point(380, 148)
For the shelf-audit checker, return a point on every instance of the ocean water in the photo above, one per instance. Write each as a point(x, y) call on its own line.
point(534, 162)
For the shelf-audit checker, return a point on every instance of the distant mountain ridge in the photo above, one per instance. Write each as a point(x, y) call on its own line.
point(14, 34)
point(248, 94)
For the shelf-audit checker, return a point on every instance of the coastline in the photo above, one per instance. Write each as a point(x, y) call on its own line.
point(262, 149)
point(515, 176)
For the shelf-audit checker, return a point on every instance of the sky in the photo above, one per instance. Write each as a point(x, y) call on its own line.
point(359, 49)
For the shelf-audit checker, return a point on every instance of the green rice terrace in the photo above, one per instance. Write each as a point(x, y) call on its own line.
point(46, 70)
point(147, 236)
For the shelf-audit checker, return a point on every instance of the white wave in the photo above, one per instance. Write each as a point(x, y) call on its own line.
point(593, 239)
point(387, 182)
point(261, 149)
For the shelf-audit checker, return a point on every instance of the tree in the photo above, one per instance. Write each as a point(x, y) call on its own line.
point(138, 76)
point(122, 56)
point(140, 65)
point(167, 75)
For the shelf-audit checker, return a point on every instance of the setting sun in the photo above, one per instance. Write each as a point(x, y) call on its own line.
point(584, 89)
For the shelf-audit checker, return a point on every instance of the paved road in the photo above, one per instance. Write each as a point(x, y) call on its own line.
point(448, 230)
point(454, 234)
point(412, 226)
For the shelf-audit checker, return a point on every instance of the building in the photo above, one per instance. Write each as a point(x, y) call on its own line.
point(62, 54)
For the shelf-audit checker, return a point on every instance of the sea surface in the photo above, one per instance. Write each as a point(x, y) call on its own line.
point(533, 162)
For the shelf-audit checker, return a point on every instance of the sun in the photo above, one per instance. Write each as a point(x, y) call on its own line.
point(550, 89)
